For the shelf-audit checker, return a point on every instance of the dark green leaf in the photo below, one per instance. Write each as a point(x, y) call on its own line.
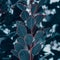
point(1, 39)
point(21, 30)
point(29, 39)
point(21, 41)
point(21, 6)
point(38, 19)
point(24, 55)
point(36, 49)
point(15, 53)
point(39, 36)
point(30, 22)
point(18, 47)
point(33, 9)
point(41, 2)
point(24, 15)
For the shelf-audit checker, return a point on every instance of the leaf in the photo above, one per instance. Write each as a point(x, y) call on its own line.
point(33, 8)
point(30, 22)
point(1, 39)
point(12, 34)
point(13, 2)
point(21, 6)
point(14, 52)
point(41, 2)
point(18, 47)
point(39, 36)
point(24, 55)
point(8, 2)
point(21, 30)
point(21, 41)
point(24, 15)
point(29, 39)
point(36, 49)
point(38, 19)
point(46, 31)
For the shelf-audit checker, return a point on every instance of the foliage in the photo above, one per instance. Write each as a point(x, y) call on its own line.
point(26, 26)
point(29, 45)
